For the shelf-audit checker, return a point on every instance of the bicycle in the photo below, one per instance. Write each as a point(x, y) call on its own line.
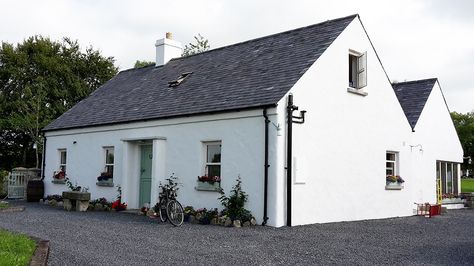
point(169, 207)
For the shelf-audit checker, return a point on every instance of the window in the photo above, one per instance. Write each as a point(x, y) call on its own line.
point(62, 160)
point(357, 70)
point(109, 160)
point(447, 175)
point(391, 164)
point(213, 159)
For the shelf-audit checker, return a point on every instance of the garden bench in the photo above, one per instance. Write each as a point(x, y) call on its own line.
point(76, 200)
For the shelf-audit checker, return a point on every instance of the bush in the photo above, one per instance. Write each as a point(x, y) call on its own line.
point(235, 204)
point(3, 183)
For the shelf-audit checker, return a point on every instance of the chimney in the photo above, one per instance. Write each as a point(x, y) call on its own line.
point(166, 49)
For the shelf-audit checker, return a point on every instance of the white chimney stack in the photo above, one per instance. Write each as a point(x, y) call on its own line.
point(166, 49)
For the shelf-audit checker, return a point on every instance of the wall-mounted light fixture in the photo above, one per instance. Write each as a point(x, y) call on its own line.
point(417, 145)
point(74, 142)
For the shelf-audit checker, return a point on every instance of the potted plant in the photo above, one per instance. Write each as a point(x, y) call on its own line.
point(394, 181)
point(59, 177)
point(105, 179)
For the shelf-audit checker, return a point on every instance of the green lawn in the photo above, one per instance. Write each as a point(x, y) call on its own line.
point(15, 249)
point(3, 204)
point(467, 185)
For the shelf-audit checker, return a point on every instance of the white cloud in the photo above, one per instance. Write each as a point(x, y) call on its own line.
point(415, 39)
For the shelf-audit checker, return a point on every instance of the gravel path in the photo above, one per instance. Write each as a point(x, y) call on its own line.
point(98, 238)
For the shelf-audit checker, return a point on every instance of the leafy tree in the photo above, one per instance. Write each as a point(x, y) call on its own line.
point(39, 80)
point(464, 124)
point(200, 46)
point(139, 63)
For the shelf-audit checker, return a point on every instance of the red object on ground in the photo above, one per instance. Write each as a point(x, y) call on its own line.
point(435, 209)
point(428, 210)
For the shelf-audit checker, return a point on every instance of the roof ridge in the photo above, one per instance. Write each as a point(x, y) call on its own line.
point(268, 36)
point(414, 81)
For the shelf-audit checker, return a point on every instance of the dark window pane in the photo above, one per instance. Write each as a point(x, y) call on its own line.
point(449, 178)
point(109, 156)
point(109, 169)
point(443, 177)
point(214, 170)
point(455, 178)
point(214, 153)
point(63, 157)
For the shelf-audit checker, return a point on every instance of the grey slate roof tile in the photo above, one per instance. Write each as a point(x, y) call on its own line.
point(229, 78)
point(412, 96)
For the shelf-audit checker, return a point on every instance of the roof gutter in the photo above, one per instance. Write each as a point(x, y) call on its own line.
point(162, 118)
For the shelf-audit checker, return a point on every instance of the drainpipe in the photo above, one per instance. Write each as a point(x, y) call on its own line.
point(289, 152)
point(266, 166)
point(44, 158)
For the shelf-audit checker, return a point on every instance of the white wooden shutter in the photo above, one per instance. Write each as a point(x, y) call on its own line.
point(362, 71)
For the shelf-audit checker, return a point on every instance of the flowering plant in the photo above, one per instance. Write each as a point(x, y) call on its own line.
point(59, 174)
point(104, 176)
point(210, 179)
point(118, 206)
point(448, 196)
point(394, 178)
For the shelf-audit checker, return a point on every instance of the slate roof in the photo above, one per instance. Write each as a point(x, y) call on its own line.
point(413, 95)
point(250, 74)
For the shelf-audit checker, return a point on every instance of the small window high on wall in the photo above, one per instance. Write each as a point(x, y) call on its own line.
point(357, 69)
point(109, 160)
point(62, 160)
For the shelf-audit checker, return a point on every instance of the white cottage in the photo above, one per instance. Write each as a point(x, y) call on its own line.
point(317, 97)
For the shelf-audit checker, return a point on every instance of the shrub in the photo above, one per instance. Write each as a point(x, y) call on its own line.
point(235, 204)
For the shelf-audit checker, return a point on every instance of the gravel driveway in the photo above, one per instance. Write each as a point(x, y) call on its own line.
point(98, 238)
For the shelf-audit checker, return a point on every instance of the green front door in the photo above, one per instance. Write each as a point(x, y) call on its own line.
point(145, 174)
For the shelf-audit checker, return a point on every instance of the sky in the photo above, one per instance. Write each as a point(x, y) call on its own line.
point(415, 39)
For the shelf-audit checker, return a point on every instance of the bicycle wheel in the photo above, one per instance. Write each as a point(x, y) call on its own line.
point(162, 212)
point(175, 212)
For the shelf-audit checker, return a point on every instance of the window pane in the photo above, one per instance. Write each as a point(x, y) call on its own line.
point(449, 178)
point(214, 170)
point(109, 156)
point(109, 169)
point(390, 156)
point(63, 157)
point(443, 177)
point(455, 178)
point(214, 153)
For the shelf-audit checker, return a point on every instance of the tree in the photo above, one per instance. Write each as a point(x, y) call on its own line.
point(139, 64)
point(39, 80)
point(464, 124)
point(200, 46)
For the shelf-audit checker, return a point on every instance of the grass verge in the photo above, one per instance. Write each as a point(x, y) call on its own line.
point(467, 185)
point(15, 249)
point(3, 204)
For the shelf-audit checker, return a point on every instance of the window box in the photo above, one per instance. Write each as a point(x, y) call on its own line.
point(105, 183)
point(58, 181)
point(208, 186)
point(393, 186)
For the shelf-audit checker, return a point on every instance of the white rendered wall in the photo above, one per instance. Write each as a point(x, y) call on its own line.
point(178, 149)
point(339, 174)
point(437, 135)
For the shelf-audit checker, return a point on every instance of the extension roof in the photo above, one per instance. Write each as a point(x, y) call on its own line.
point(250, 74)
point(413, 95)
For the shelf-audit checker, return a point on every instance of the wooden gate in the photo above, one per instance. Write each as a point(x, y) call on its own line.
point(18, 179)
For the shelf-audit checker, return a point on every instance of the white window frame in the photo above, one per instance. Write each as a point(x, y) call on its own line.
point(395, 162)
point(62, 166)
point(206, 163)
point(108, 148)
point(360, 73)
